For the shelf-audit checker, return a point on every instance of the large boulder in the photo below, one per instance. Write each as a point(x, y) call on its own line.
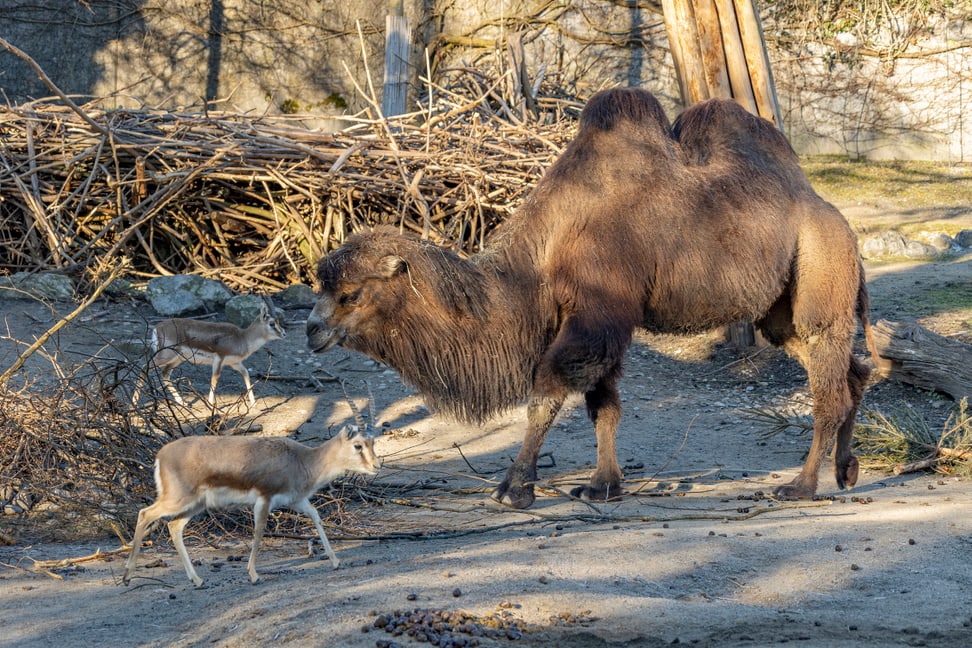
point(181, 295)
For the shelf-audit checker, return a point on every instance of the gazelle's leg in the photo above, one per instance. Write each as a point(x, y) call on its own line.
point(166, 373)
point(246, 381)
point(217, 370)
point(176, 528)
point(147, 518)
point(261, 510)
point(304, 506)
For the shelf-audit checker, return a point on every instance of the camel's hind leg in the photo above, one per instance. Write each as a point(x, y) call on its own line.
point(846, 465)
point(830, 368)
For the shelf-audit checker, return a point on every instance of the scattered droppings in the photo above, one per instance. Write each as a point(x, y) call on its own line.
point(458, 629)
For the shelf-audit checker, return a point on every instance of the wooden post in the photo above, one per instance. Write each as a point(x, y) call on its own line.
point(736, 60)
point(398, 36)
point(682, 29)
point(521, 91)
point(713, 53)
point(757, 61)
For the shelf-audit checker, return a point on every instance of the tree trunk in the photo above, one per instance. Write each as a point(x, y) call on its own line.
point(925, 359)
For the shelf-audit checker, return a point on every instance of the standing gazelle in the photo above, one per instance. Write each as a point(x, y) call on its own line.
point(199, 473)
point(211, 343)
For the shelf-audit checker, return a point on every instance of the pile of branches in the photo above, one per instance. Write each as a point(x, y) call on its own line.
point(257, 201)
point(67, 449)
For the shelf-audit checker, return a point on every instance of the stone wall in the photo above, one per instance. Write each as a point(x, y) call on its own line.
point(258, 57)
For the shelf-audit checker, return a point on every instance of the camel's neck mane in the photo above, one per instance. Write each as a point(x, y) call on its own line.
point(472, 331)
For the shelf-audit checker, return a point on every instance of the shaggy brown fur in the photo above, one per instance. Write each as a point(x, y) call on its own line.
point(636, 224)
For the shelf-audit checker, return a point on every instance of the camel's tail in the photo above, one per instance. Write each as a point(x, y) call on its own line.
point(863, 314)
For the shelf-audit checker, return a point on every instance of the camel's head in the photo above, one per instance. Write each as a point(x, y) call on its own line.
point(381, 290)
point(360, 290)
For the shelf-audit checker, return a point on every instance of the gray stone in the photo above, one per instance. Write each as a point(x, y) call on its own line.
point(889, 245)
point(938, 240)
point(885, 244)
point(181, 295)
point(919, 251)
point(296, 296)
point(964, 238)
point(46, 285)
point(243, 309)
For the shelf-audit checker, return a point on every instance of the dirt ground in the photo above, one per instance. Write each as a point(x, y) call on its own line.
point(688, 557)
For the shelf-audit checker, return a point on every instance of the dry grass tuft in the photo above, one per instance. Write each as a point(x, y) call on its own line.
point(905, 443)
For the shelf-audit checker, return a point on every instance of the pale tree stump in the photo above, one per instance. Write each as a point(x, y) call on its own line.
point(914, 355)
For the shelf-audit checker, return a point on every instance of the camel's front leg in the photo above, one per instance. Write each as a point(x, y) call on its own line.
point(516, 490)
point(604, 408)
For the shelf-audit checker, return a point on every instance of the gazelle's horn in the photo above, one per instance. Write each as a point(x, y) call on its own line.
point(372, 430)
point(358, 419)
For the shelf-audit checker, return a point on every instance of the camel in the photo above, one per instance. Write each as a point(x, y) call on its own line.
point(638, 223)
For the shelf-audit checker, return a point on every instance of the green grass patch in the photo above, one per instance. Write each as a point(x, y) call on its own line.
point(935, 188)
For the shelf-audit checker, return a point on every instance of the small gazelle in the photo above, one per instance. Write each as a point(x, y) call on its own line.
point(198, 473)
point(217, 344)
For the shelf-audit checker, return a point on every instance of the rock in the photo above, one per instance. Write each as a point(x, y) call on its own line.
point(243, 309)
point(296, 296)
point(918, 250)
point(892, 244)
point(938, 240)
point(964, 238)
point(884, 244)
point(46, 285)
point(186, 295)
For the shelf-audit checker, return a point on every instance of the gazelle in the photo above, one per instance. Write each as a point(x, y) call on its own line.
point(199, 473)
point(214, 343)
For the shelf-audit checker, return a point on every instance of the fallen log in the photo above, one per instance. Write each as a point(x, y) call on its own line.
point(924, 359)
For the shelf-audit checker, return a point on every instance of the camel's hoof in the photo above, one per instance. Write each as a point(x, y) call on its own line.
point(518, 497)
point(793, 491)
point(591, 494)
point(847, 475)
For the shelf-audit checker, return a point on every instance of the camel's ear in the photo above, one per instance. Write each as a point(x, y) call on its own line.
point(392, 265)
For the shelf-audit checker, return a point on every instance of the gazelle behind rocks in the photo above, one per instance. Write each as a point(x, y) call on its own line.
point(217, 344)
point(193, 474)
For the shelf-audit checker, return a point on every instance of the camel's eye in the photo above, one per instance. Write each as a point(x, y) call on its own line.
point(350, 298)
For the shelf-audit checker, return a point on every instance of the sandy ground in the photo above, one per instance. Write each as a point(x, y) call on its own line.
point(689, 557)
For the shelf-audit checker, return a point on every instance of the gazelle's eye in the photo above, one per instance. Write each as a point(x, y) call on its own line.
point(358, 447)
